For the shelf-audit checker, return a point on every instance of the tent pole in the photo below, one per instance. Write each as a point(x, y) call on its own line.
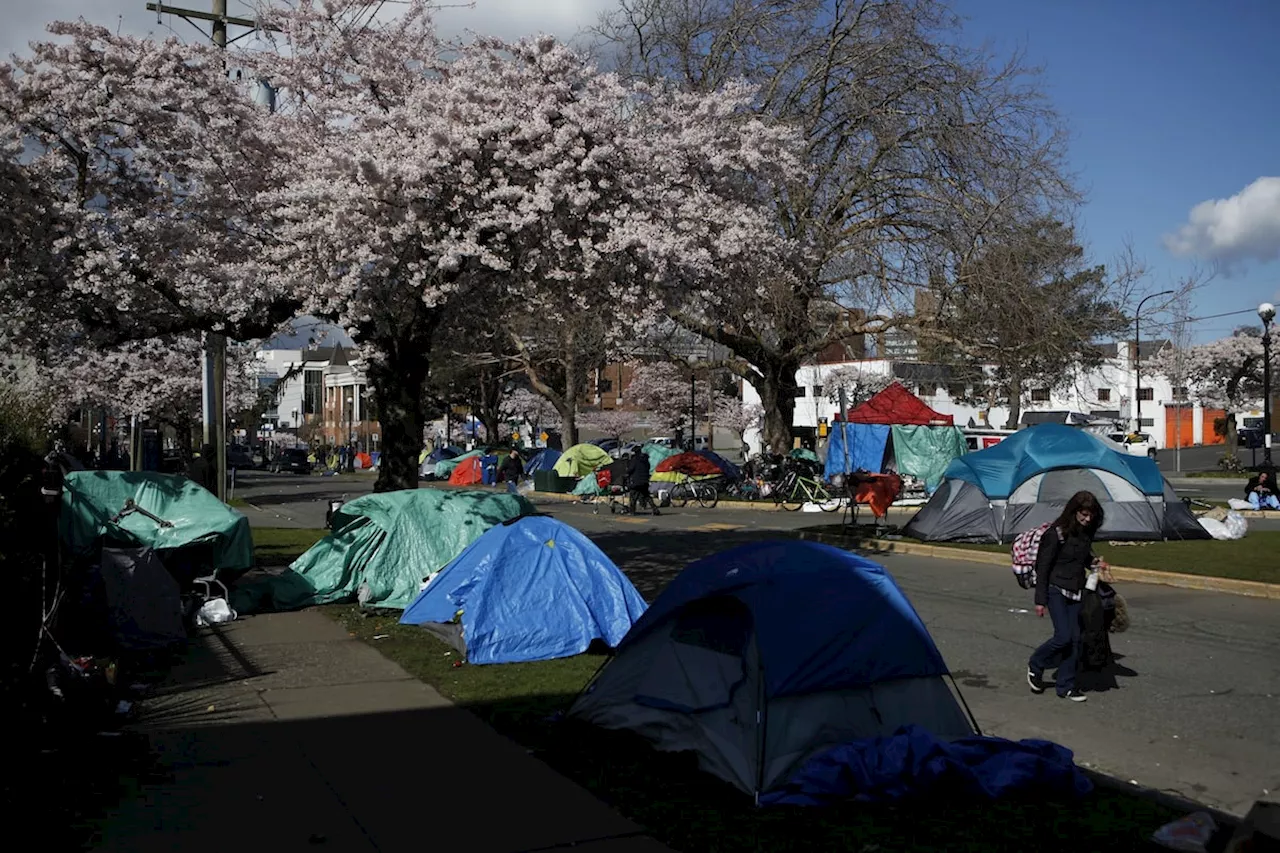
point(762, 724)
point(967, 709)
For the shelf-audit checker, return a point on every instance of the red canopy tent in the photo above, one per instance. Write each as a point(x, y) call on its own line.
point(897, 406)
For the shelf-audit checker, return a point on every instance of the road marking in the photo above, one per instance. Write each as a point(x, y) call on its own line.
point(718, 525)
point(626, 519)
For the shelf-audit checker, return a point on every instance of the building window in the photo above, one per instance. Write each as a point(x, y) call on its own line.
point(1147, 422)
point(312, 391)
point(1104, 395)
point(957, 389)
point(1039, 395)
point(1145, 394)
point(1180, 393)
point(817, 390)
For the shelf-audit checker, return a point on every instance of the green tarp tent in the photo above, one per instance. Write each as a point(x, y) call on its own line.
point(382, 548)
point(444, 468)
point(926, 451)
point(92, 499)
point(580, 460)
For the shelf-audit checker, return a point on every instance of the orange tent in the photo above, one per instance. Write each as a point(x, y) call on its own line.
point(468, 473)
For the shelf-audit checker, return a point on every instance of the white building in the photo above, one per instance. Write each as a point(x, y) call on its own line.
point(1106, 393)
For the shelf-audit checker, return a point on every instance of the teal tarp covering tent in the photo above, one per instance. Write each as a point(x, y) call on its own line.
point(925, 452)
point(656, 453)
point(444, 468)
point(383, 547)
point(196, 518)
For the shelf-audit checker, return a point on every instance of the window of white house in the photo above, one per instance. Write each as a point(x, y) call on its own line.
point(1039, 395)
point(1180, 393)
point(1146, 394)
point(817, 390)
point(1104, 395)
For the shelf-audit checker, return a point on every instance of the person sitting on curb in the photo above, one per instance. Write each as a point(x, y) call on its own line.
point(1261, 491)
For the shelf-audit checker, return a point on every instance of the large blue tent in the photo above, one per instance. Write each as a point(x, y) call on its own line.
point(544, 460)
point(758, 657)
point(731, 471)
point(534, 589)
point(1024, 481)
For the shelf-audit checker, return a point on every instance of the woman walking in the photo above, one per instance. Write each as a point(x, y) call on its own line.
point(1062, 565)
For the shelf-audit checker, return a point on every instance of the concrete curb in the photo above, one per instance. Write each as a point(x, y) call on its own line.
point(1255, 589)
point(1173, 802)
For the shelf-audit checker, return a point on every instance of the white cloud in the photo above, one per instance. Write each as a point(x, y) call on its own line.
point(1244, 227)
point(25, 20)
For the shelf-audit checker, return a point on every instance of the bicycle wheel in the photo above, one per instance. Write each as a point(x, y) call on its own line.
point(795, 497)
point(680, 493)
point(825, 500)
point(708, 496)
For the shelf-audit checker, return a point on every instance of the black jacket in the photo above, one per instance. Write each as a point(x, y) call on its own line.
point(510, 470)
point(1253, 484)
point(1062, 563)
point(638, 472)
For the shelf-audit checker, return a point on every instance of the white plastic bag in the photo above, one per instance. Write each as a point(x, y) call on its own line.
point(1191, 833)
point(215, 611)
point(1217, 529)
point(1236, 524)
point(1239, 503)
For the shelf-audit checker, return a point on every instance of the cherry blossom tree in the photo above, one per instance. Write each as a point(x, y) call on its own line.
point(1226, 373)
point(738, 417)
point(662, 389)
point(400, 176)
point(859, 384)
point(531, 408)
point(611, 423)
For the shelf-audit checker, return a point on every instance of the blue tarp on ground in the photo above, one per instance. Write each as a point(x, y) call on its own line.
point(913, 763)
point(730, 470)
point(447, 452)
point(534, 589)
point(544, 460)
point(851, 609)
point(489, 469)
point(998, 470)
point(866, 448)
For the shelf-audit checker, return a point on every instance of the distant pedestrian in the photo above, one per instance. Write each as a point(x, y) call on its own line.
point(1062, 565)
point(638, 482)
point(1261, 491)
point(510, 472)
point(203, 470)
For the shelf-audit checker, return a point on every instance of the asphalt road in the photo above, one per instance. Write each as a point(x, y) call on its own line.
point(1195, 694)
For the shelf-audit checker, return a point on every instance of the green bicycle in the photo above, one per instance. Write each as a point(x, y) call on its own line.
point(795, 491)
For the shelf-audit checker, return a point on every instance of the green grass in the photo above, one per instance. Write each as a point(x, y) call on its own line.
point(694, 812)
point(280, 546)
point(1215, 475)
point(1252, 558)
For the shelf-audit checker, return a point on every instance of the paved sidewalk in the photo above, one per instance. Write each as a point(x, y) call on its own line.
point(281, 732)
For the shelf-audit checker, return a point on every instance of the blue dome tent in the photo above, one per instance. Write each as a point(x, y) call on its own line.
point(760, 657)
point(533, 589)
point(1024, 481)
point(731, 471)
point(544, 460)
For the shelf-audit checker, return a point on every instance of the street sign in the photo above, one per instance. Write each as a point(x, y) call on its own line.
point(544, 436)
point(515, 436)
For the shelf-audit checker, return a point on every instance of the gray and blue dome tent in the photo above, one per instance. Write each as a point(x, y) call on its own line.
point(530, 589)
point(760, 657)
point(1024, 481)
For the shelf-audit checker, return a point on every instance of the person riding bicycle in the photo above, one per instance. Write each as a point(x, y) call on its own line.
point(638, 482)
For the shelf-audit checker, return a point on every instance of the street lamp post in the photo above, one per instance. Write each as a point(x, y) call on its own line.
point(1267, 313)
point(693, 410)
point(295, 428)
point(1137, 358)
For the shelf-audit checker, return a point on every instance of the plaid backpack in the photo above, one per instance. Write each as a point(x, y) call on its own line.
point(1026, 547)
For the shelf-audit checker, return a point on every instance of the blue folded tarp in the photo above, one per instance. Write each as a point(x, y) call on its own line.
point(866, 448)
point(914, 763)
point(730, 470)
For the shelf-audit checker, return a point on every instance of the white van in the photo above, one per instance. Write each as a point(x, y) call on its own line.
point(1135, 443)
point(980, 438)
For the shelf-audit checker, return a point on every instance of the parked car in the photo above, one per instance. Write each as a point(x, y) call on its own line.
point(293, 460)
point(1250, 438)
point(238, 456)
point(1135, 443)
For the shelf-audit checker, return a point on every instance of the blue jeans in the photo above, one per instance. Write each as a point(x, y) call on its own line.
point(1063, 648)
point(511, 487)
point(1258, 503)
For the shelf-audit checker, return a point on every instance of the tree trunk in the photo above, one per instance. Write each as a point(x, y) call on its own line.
point(1014, 393)
point(399, 380)
point(776, 383)
point(1233, 435)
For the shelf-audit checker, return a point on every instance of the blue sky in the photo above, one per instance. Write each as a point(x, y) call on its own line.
point(1170, 103)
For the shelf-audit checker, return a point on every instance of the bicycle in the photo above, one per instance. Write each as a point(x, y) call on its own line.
point(796, 490)
point(687, 489)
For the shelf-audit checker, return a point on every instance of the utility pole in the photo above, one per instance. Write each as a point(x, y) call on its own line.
point(214, 358)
